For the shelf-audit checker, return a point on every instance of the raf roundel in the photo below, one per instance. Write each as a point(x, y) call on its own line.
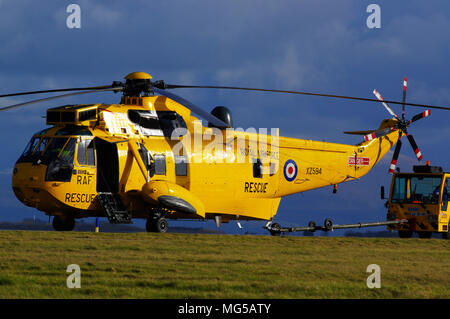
point(290, 170)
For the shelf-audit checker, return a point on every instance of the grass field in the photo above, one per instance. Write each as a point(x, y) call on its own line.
point(144, 265)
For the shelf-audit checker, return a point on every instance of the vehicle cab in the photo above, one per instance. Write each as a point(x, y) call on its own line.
point(421, 197)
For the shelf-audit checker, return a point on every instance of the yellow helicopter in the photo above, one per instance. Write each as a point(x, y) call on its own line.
point(149, 157)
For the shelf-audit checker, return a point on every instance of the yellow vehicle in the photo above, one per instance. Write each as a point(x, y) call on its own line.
point(149, 157)
point(421, 197)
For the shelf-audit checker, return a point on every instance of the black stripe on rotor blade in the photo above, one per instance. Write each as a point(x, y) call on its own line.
point(194, 108)
point(56, 97)
point(414, 146)
point(395, 156)
point(174, 86)
point(420, 116)
point(57, 90)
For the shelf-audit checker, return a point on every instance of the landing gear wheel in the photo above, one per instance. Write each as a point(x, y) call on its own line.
point(63, 223)
point(405, 233)
point(424, 234)
point(157, 225)
point(162, 225)
point(447, 234)
point(275, 229)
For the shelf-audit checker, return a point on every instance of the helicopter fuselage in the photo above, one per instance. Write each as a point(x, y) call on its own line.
point(154, 154)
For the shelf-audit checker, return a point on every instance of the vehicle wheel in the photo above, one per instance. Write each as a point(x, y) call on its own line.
point(157, 225)
point(63, 224)
point(275, 229)
point(424, 234)
point(162, 225)
point(405, 233)
point(447, 234)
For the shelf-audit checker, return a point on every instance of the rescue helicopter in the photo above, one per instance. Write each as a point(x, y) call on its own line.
point(119, 160)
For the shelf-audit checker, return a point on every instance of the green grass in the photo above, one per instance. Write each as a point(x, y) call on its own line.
point(144, 265)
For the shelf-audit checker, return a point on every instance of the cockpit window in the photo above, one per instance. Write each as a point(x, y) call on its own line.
point(171, 121)
point(31, 146)
point(41, 147)
point(85, 154)
point(55, 147)
point(59, 157)
point(68, 152)
point(74, 130)
point(33, 149)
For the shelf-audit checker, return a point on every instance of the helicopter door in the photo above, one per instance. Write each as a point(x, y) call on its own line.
point(107, 166)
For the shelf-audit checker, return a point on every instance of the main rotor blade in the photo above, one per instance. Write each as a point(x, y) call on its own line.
point(414, 146)
point(380, 98)
point(57, 90)
point(194, 108)
point(395, 156)
point(378, 133)
point(175, 86)
point(56, 97)
point(405, 85)
point(420, 116)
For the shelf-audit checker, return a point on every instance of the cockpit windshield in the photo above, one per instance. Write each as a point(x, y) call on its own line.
point(31, 146)
point(58, 152)
point(59, 157)
point(34, 148)
point(55, 147)
point(416, 189)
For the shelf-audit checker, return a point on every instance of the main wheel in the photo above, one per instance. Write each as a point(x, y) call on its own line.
point(63, 223)
point(405, 233)
point(157, 225)
point(424, 234)
point(162, 225)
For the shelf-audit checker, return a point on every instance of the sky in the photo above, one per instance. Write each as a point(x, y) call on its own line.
point(319, 46)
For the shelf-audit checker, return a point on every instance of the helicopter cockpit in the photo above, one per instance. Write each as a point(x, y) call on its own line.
point(56, 150)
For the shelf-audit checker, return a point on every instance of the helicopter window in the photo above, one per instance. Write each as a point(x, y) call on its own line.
point(43, 131)
point(74, 130)
point(41, 147)
point(257, 169)
point(59, 156)
point(31, 146)
point(54, 148)
point(171, 121)
point(85, 155)
point(180, 165)
point(68, 152)
point(90, 153)
point(144, 119)
point(160, 164)
point(81, 155)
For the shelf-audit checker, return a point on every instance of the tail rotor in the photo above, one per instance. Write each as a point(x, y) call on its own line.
point(401, 124)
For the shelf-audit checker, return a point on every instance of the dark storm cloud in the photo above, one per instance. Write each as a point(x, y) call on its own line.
point(320, 46)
